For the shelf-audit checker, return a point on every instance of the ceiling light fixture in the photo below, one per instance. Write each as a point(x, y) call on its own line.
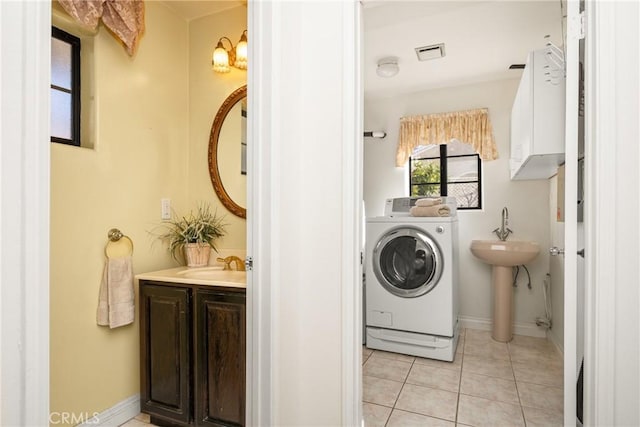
point(234, 56)
point(388, 67)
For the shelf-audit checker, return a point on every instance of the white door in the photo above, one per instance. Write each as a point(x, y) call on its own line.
point(571, 303)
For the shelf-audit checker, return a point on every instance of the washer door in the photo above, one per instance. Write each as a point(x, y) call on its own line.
point(407, 262)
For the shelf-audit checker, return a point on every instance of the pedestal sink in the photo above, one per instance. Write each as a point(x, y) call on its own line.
point(503, 256)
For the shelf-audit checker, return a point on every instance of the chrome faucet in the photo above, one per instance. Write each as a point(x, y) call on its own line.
point(504, 231)
point(228, 260)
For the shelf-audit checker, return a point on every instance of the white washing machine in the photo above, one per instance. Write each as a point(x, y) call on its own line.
point(412, 285)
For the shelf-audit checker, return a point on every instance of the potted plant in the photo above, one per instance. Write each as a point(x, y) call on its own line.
point(193, 235)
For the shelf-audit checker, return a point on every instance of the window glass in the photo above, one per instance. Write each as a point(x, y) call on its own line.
point(65, 87)
point(425, 177)
point(460, 169)
point(467, 195)
point(60, 63)
point(462, 182)
point(61, 112)
point(457, 148)
point(463, 170)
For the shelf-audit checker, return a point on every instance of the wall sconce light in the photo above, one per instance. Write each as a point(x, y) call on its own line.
point(234, 56)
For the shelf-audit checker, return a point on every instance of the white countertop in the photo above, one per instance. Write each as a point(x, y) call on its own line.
point(211, 276)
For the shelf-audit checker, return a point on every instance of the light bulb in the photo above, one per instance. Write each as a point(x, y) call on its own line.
point(220, 59)
point(241, 52)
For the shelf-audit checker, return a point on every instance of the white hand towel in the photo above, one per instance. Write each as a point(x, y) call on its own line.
point(116, 300)
point(429, 201)
point(437, 210)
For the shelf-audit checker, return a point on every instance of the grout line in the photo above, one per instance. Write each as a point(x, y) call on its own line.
point(400, 392)
point(463, 354)
point(460, 382)
point(381, 378)
point(388, 379)
point(425, 415)
point(365, 359)
point(524, 420)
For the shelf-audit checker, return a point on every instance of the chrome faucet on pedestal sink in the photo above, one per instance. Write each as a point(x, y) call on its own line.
point(504, 231)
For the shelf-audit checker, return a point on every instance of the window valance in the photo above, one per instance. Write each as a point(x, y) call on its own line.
point(471, 127)
point(125, 18)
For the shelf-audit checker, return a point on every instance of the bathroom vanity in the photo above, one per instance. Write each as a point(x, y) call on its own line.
point(192, 346)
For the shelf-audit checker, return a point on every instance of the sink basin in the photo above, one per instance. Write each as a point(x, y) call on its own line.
point(507, 254)
point(214, 274)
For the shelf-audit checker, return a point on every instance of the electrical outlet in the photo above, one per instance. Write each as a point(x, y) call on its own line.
point(165, 212)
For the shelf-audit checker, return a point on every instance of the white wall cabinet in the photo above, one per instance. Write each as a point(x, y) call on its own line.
point(537, 120)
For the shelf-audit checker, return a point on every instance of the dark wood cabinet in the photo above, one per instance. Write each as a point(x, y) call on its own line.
point(165, 340)
point(220, 359)
point(192, 354)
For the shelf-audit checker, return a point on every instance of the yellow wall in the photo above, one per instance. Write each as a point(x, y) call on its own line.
point(141, 155)
point(153, 114)
point(207, 91)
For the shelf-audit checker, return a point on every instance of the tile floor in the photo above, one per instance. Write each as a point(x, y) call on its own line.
point(488, 384)
point(141, 420)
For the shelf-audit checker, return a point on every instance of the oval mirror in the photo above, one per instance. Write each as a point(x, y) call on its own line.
point(228, 152)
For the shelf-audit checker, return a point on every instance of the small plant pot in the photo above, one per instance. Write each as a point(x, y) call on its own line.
point(197, 254)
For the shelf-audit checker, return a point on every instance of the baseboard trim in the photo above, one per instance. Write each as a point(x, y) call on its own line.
point(526, 329)
point(117, 415)
point(556, 342)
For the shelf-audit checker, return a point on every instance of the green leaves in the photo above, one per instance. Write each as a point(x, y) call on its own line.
point(425, 177)
point(201, 226)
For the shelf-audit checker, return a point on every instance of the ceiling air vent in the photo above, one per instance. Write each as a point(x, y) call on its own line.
point(434, 51)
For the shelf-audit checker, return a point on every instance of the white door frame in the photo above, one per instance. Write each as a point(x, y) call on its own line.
point(25, 40)
point(571, 210)
point(24, 214)
point(282, 34)
point(612, 329)
point(259, 358)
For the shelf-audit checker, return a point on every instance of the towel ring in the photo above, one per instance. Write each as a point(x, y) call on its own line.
point(112, 249)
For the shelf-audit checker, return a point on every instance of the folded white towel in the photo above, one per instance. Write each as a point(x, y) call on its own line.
point(437, 210)
point(429, 201)
point(116, 300)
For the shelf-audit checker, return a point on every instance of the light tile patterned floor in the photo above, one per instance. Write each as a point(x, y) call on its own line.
point(488, 384)
point(141, 420)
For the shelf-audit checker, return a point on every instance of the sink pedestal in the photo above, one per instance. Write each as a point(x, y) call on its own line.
point(502, 303)
point(503, 256)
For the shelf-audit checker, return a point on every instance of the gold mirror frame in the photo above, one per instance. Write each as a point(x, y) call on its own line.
point(237, 96)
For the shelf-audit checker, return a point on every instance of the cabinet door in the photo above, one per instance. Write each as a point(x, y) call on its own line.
point(164, 352)
point(219, 374)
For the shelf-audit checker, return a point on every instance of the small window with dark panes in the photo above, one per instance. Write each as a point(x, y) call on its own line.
point(452, 169)
point(65, 87)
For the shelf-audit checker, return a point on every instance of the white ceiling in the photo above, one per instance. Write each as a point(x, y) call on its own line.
point(192, 9)
point(482, 38)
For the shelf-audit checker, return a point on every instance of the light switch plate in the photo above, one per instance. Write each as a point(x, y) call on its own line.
point(165, 212)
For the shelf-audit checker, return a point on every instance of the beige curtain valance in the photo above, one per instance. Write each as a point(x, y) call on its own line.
point(125, 18)
point(471, 127)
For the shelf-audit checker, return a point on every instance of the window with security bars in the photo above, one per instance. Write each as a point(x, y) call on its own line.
point(452, 169)
point(65, 87)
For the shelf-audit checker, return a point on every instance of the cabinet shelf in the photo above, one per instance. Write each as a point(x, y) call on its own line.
point(537, 120)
